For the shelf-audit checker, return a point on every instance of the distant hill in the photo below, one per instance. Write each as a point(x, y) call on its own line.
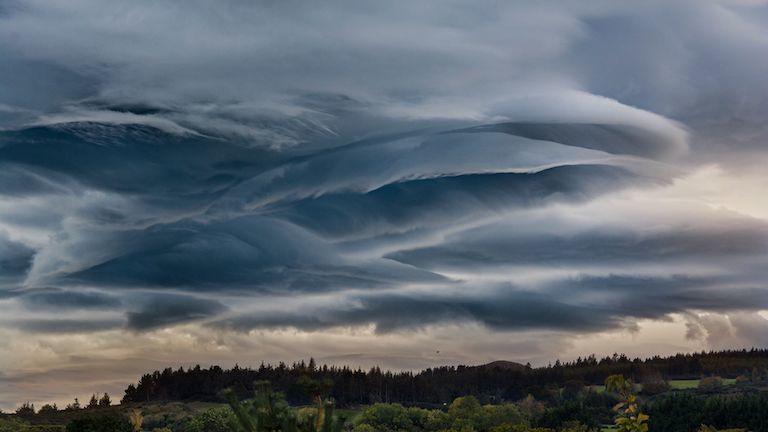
point(504, 365)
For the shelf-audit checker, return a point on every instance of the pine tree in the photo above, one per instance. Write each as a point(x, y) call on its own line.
point(105, 401)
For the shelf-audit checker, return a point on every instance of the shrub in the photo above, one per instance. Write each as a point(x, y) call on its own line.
point(465, 412)
point(212, 420)
point(362, 427)
point(653, 383)
point(705, 428)
point(25, 410)
point(710, 383)
point(386, 417)
point(48, 408)
point(496, 415)
point(100, 424)
point(11, 424)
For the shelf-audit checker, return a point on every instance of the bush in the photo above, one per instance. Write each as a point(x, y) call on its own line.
point(653, 383)
point(464, 414)
point(25, 410)
point(497, 415)
point(11, 424)
point(41, 428)
point(212, 420)
point(362, 427)
point(386, 418)
point(100, 424)
point(710, 383)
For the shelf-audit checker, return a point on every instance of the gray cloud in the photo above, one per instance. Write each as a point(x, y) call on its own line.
point(720, 331)
point(726, 238)
point(54, 299)
point(64, 325)
point(582, 304)
point(15, 262)
point(415, 164)
point(162, 310)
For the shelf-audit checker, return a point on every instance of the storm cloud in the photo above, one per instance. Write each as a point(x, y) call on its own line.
point(230, 170)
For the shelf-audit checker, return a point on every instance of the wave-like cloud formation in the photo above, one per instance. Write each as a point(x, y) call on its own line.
point(262, 166)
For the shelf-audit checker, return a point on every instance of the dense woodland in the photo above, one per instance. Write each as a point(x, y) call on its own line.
point(495, 382)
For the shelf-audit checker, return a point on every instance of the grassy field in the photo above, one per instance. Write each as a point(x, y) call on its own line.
point(687, 384)
point(694, 383)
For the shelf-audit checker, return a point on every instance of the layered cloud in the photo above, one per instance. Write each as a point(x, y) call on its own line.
point(533, 172)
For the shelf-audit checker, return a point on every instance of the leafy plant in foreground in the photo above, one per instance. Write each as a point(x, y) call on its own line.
point(630, 419)
point(269, 412)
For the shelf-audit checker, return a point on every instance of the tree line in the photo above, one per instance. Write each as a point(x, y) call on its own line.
point(492, 383)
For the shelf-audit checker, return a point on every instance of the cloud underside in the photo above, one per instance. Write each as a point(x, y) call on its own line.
point(410, 168)
point(385, 232)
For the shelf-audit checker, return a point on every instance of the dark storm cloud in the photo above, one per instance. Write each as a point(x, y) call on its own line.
point(64, 326)
point(620, 139)
point(109, 157)
point(392, 157)
point(494, 245)
point(54, 299)
point(15, 257)
point(503, 309)
point(15, 261)
point(249, 253)
point(163, 310)
point(578, 305)
point(431, 203)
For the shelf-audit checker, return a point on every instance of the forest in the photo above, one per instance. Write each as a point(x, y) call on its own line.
point(492, 383)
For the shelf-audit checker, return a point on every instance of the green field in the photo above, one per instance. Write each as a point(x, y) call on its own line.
point(694, 383)
point(687, 384)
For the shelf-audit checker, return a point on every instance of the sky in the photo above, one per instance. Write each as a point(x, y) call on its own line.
point(404, 184)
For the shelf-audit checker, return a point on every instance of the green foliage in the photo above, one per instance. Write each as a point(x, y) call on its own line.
point(686, 412)
point(710, 383)
point(590, 412)
point(100, 424)
point(162, 429)
point(10, 424)
point(653, 383)
point(386, 418)
point(269, 412)
point(531, 407)
point(48, 408)
point(464, 414)
point(25, 410)
point(73, 406)
point(574, 426)
point(212, 420)
point(705, 428)
point(629, 419)
point(136, 418)
point(496, 415)
point(24, 427)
